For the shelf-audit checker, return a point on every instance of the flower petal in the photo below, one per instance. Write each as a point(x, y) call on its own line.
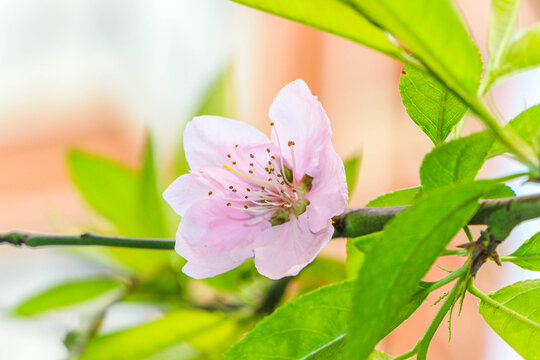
point(208, 140)
point(286, 249)
point(214, 238)
point(328, 196)
point(298, 116)
point(185, 191)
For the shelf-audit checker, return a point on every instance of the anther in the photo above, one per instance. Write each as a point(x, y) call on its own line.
point(269, 179)
point(250, 171)
point(229, 156)
point(269, 163)
point(271, 124)
point(291, 143)
point(278, 175)
point(210, 193)
point(273, 157)
point(251, 156)
point(234, 190)
point(236, 145)
point(267, 150)
point(245, 206)
point(282, 183)
point(282, 191)
point(248, 189)
point(228, 204)
point(245, 197)
point(234, 162)
point(230, 187)
point(250, 164)
point(293, 190)
point(262, 188)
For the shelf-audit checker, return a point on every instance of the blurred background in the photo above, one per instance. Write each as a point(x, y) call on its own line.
point(98, 74)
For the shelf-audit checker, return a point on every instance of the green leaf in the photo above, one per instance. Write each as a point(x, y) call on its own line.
point(435, 33)
point(455, 162)
point(430, 104)
point(526, 125)
point(322, 271)
point(514, 314)
point(151, 207)
point(333, 16)
point(67, 294)
point(527, 256)
point(109, 187)
point(352, 167)
point(397, 198)
point(120, 195)
point(404, 252)
point(234, 280)
point(502, 27)
point(523, 53)
point(312, 326)
point(147, 340)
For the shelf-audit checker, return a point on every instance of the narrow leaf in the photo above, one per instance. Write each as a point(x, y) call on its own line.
point(404, 252)
point(144, 341)
point(352, 167)
point(455, 162)
point(67, 294)
point(430, 104)
point(528, 254)
point(333, 16)
point(514, 314)
point(502, 27)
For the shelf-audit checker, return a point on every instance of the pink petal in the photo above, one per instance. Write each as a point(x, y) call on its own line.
point(329, 195)
point(299, 117)
point(208, 140)
point(286, 249)
point(185, 191)
point(215, 238)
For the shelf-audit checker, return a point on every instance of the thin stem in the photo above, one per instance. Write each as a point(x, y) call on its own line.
point(508, 212)
point(468, 233)
point(421, 347)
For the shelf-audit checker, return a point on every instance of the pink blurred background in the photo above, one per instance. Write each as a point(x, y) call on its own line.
point(97, 74)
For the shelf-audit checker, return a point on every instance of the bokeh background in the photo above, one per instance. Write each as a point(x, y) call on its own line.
point(98, 74)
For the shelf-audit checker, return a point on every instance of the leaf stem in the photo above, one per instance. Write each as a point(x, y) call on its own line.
point(421, 347)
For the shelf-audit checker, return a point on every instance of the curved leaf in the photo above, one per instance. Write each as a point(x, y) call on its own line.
point(514, 314)
point(528, 254)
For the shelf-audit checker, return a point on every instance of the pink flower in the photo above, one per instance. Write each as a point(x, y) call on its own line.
point(248, 196)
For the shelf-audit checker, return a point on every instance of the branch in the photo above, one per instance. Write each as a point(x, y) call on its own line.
point(502, 215)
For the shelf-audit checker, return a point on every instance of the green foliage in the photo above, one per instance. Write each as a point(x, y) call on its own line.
point(397, 198)
point(352, 168)
point(527, 126)
point(435, 33)
point(502, 27)
point(333, 16)
point(514, 313)
point(455, 162)
point(70, 293)
point(405, 251)
point(310, 327)
point(149, 340)
point(430, 104)
point(528, 254)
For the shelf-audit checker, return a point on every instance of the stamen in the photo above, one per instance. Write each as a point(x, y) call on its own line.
point(210, 193)
point(228, 204)
point(245, 176)
point(229, 156)
point(251, 156)
point(293, 161)
point(245, 206)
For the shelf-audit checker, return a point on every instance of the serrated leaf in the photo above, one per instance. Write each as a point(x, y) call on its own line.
point(515, 316)
point(502, 27)
point(527, 256)
point(70, 293)
point(396, 263)
point(310, 327)
point(523, 53)
point(352, 168)
point(526, 125)
point(147, 340)
point(435, 33)
point(397, 198)
point(455, 162)
point(430, 104)
point(333, 16)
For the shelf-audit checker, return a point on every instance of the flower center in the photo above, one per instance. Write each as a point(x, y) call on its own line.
point(264, 185)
